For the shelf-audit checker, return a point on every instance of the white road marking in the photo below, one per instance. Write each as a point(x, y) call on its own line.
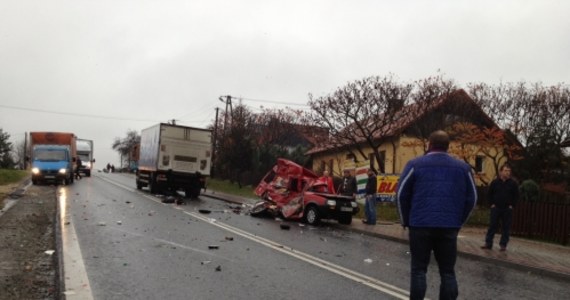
point(76, 282)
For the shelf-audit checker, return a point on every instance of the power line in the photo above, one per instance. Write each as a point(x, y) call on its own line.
point(76, 114)
point(271, 101)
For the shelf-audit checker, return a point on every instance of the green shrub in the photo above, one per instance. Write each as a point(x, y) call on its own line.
point(530, 191)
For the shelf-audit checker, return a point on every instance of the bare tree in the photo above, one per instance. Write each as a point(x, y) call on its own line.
point(362, 113)
point(126, 144)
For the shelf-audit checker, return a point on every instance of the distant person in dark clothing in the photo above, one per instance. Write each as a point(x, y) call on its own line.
point(436, 194)
point(108, 167)
point(77, 168)
point(503, 196)
point(370, 199)
point(112, 168)
point(348, 185)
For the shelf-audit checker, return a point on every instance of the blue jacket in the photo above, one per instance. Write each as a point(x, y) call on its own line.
point(436, 190)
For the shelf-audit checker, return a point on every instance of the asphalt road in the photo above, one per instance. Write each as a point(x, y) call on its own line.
point(135, 247)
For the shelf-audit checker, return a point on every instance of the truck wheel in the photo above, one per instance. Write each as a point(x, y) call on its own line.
point(152, 185)
point(345, 219)
point(88, 173)
point(139, 185)
point(34, 182)
point(311, 215)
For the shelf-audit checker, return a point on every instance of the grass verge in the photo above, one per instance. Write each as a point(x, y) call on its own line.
point(225, 186)
point(9, 179)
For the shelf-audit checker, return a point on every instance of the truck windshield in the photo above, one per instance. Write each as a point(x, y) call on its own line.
point(53, 155)
point(83, 157)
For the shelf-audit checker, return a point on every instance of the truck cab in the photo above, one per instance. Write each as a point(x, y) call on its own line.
point(52, 163)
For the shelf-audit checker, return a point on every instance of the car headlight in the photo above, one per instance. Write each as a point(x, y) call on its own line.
point(331, 203)
point(62, 171)
point(35, 171)
point(353, 204)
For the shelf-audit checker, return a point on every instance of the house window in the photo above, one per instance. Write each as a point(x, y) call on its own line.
point(479, 164)
point(350, 157)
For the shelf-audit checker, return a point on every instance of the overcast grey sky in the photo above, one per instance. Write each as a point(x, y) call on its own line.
point(99, 68)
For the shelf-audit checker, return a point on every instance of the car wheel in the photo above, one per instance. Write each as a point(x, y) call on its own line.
point(345, 219)
point(311, 215)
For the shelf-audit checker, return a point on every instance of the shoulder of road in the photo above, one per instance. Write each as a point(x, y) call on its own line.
point(530, 256)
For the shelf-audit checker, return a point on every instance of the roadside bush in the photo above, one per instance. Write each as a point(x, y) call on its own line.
point(530, 191)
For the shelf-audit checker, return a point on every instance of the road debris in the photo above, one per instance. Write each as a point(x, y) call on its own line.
point(205, 262)
point(204, 211)
point(368, 261)
point(102, 224)
point(213, 247)
point(119, 222)
point(49, 252)
point(229, 238)
point(218, 268)
point(285, 227)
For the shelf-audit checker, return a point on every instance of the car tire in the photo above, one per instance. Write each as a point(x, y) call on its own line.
point(345, 219)
point(312, 215)
point(139, 185)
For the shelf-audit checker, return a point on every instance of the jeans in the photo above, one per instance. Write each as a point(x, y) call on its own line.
point(370, 209)
point(443, 243)
point(506, 217)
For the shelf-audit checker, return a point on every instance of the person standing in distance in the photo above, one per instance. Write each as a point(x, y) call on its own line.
point(348, 185)
point(503, 196)
point(370, 198)
point(329, 181)
point(436, 195)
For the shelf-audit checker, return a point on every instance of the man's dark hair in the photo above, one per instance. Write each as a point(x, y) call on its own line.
point(505, 165)
point(439, 140)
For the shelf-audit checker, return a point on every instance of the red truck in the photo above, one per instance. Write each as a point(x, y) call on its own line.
point(297, 193)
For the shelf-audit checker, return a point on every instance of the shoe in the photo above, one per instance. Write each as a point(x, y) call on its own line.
point(487, 247)
point(364, 221)
point(503, 249)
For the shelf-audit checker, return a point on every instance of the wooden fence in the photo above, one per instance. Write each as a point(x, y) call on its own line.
point(547, 219)
point(542, 220)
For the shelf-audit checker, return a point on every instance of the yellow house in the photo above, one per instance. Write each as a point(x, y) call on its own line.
point(403, 143)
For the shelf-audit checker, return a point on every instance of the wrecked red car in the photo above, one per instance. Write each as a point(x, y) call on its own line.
point(293, 192)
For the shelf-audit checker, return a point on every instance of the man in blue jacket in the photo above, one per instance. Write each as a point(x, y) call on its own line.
point(436, 195)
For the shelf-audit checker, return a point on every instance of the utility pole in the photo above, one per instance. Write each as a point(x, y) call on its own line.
point(215, 149)
point(228, 102)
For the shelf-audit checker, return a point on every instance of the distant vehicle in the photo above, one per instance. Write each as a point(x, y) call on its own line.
point(174, 157)
point(297, 193)
point(85, 154)
point(52, 156)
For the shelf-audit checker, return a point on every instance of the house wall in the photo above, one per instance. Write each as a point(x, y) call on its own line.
point(398, 153)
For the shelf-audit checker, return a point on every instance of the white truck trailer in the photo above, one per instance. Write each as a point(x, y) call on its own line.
point(85, 153)
point(173, 158)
